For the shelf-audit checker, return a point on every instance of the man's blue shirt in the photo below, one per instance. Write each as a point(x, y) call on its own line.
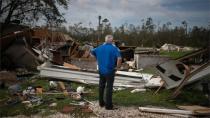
point(106, 56)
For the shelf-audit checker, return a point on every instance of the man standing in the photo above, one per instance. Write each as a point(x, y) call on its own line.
point(109, 60)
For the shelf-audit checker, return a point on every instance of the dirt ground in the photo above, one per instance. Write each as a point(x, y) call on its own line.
point(126, 112)
point(120, 112)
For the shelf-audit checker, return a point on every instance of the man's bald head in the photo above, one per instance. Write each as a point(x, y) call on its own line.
point(109, 39)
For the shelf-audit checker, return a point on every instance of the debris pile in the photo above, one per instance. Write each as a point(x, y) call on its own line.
point(38, 45)
point(185, 70)
point(39, 95)
point(57, 57)
point(122, 78)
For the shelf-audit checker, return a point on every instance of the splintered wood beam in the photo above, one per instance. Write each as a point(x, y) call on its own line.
point(162, 84)
point(166, 111)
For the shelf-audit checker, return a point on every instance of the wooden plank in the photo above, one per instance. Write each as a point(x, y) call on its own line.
point(181, 115)
point(166, 111)
point(74, 49)
point(71, 66)
point(162, 84)
point(196, 109)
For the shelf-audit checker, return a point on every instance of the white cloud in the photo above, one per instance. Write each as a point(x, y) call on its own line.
point(120, 11)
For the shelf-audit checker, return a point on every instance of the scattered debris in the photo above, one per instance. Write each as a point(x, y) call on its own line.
point(118, 88)
point(79, 104)
point(68, 109)
point(53, 84)
point(35, 100)
point(80, 90)
point(154, 82)
point(138, 90)
point(53, 104)
point(170, 47)
point(184, 70)
point(86, 109)
point(29, 90)
point(88, 101)
point(13, 101)
point(27, 103)
point(76, 97)
point(71, 66)
point(146, 50)
point(39, 90)
point(14, 89)
point(8, 78)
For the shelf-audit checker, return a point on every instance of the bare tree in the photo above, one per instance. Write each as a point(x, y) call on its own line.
point(184, 23)
point(30, 10)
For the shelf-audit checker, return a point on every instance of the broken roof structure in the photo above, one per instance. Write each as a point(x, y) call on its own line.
point(31, 43)
point(185, 70)
point(122, 79)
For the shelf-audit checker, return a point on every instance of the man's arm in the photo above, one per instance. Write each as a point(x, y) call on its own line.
point(119, 62)
point(119, 59)
point(93, 52)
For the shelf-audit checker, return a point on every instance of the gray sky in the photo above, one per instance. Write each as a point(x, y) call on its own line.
point(195, 12)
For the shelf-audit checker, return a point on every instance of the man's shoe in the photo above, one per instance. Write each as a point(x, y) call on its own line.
point(101, 104)
point(111, 108)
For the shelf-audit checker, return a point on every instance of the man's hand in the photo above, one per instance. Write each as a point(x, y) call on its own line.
point(116, 69)
point(119, 62)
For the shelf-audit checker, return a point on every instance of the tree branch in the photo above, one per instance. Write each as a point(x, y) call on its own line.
point(22, 12)
point(4, 8)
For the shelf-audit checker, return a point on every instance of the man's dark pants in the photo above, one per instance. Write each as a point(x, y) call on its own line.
point(106, 81)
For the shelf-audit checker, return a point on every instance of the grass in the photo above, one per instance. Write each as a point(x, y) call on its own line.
point(149, 70)
point(122, 98)
point(174, 54)
point(162, 99)
point(43, 109)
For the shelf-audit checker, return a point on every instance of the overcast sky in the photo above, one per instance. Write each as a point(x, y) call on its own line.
point(195, 12)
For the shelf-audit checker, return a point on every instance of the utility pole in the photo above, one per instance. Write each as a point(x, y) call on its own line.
point(99, 28)
point(208, 45)
point(208, 48)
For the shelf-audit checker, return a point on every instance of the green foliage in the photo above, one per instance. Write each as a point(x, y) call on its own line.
point(174, 54)
point(147, 34)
